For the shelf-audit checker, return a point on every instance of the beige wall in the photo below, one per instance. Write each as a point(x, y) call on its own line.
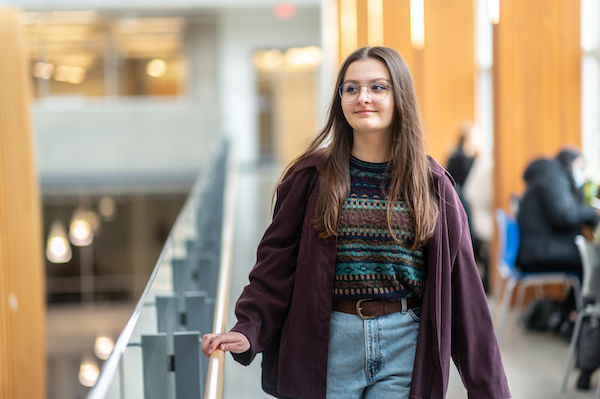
point(22, 312)
point(294, 98)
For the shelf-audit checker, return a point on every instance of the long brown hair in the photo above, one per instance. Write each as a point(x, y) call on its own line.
point(408, 165)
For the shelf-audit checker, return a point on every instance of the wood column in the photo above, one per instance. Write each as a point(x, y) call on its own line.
point(22, 304)
point(537, 87)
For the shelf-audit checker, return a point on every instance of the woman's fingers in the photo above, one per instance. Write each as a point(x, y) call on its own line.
point(230, 341)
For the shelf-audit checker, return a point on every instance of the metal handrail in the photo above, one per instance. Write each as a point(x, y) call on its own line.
point(111, 366)
point(216, 363)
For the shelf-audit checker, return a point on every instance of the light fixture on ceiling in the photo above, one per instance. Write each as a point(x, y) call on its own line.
point(88, 371)
point(107, 208)
point(303, 56)
point(268, 59)
point(69, 74)
point(156, 68)
point(43, 70)
point(58, 249)
point(103, 347)
point(80, 230)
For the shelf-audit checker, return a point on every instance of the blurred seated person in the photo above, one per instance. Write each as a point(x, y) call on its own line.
point(551, 213)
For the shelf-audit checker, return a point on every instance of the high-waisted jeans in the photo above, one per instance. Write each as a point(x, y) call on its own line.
point(374, 358)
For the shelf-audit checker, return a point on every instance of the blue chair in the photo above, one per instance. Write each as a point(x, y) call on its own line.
point(509, 238)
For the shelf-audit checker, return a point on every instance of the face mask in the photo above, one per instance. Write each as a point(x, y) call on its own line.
point(578, 177)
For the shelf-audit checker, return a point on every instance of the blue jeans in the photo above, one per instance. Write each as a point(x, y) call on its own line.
point(371, 359)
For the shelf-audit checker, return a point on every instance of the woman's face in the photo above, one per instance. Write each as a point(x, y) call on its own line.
point(364, 115)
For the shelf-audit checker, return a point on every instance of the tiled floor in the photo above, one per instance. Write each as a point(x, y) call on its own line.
point(534, 362)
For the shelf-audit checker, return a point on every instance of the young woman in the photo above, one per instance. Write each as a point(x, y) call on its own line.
point(365, 284)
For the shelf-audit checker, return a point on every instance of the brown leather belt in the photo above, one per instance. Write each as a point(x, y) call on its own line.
point(368, 309)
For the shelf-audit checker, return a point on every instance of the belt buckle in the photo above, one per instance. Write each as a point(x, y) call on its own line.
point(359, 309)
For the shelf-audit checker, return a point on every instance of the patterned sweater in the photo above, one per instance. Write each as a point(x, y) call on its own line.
point(369, 263)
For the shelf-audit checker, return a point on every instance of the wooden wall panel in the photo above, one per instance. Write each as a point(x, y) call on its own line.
point(362, 11)
point(537, 86)
point(396, 29)
point(348, 21)
point(446, 76)
point(22, 313)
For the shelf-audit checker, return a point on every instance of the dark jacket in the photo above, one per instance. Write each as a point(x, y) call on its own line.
point(290, 292)
point(459, 165)
point(551, 214)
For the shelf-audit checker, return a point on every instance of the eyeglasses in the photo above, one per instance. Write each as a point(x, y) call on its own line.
point(375, 91)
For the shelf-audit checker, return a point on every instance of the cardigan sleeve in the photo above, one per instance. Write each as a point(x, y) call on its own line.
point(475, 349)
point(263, 305)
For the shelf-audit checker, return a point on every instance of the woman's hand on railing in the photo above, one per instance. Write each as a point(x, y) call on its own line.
point(228, 341)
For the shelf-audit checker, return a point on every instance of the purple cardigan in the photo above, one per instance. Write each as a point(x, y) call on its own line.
point(285, 310)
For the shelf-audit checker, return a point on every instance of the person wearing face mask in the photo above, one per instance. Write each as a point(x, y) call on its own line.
point(551, 213)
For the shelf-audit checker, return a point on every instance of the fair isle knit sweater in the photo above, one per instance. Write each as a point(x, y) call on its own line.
point(369, 262)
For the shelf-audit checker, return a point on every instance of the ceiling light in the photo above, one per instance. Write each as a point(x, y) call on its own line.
point(156, 68)
point(305, 56)
point(103, 347)
point(69, 74)
point(43, 70)
point(58, 249)
point(107, 208)
point(268, 59)
point(88, 372)
point(80, 230)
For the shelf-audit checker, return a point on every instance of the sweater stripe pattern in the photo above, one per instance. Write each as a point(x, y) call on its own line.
point(369, 262)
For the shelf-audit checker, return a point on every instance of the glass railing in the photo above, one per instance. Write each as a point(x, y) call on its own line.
point(157, 355)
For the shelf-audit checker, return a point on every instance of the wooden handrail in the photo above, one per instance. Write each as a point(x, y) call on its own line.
point(216, 362)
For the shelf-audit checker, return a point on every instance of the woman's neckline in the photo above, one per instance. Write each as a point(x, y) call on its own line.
point(356, 159)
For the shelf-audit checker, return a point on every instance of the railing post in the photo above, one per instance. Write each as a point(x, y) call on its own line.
point(188, 366)
point(167, 317)
point(197, 312)
point(156, 366)
point(182, 275)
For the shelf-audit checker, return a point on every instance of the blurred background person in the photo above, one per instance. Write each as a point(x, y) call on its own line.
point(551, 214)
point(461, 160)
point(472, 171)
point(477, 194)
